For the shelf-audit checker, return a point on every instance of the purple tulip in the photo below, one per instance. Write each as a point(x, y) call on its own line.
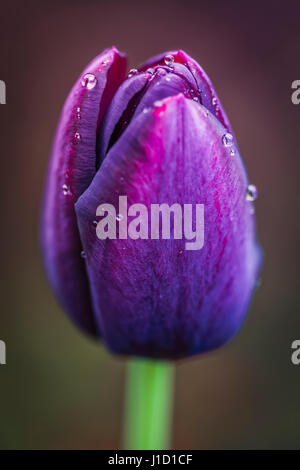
point(158, 136)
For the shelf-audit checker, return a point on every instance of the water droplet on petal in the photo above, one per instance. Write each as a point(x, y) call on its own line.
point(251, 193)
point(151, 71)
point(66, 189)
point(77, 136)
point(214, 101)
point(132, 72)
point(232, 152)
point(95, 223)
point(169, 60)
point(82, 254)
point(227, 140)
point(168, 79)
point(89, 81)
point(158, 104)
point(119, 217)
point(195, 98)
point(162, 72)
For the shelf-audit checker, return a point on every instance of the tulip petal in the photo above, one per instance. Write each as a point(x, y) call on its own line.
point(209, 97)
point(167, 84)
point(124, 95)
point(154, 297)
point(71, 169)
point(138, 93)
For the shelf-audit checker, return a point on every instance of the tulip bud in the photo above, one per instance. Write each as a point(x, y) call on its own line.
point(157, 137)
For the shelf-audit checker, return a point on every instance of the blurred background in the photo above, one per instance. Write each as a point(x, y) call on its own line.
point(59, 390)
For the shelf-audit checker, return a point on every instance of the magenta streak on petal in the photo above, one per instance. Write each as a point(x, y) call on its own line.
point(152, 297)
point(209, 97)
point(71, 169)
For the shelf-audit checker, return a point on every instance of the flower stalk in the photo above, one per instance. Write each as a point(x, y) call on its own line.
point(148, 407)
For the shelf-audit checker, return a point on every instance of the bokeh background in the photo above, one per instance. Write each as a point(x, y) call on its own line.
point(59, 390)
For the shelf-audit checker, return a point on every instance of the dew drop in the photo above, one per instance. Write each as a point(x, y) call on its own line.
point(89, 81)
point(77, 136)
point(132, 72)
point(119, 217)
point(95, 223)
point(169, 60)
point(251, 193)
point(82, 254)
point(78, 113)
point(168, 79)
point(195, 98)
point(232, 152)
point(214, 101)
point(66, 189)
point(158, 104)
point(227, 140)
point(162, 72)
point(151, 71)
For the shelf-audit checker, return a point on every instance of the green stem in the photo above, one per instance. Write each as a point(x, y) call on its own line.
point(148, 405)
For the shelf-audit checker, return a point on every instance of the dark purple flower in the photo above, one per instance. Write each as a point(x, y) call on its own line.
point(158, 136)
